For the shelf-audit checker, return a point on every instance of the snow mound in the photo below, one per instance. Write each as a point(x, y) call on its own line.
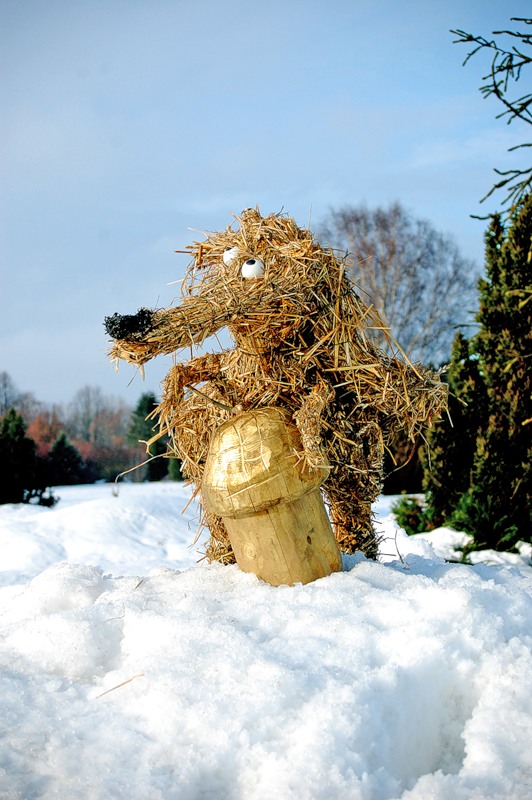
point(407, 679)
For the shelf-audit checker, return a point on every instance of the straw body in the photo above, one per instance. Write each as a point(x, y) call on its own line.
point(302, 341)
point(269, 500)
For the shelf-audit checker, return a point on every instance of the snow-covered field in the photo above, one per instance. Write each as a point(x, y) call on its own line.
point(131, 671)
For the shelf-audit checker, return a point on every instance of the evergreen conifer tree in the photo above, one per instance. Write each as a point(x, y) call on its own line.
point(18, 460)
point(65, 465)
point(448, 457)
point(174, 469)
point(500, 505)
point(141, 430)
point(481, 477)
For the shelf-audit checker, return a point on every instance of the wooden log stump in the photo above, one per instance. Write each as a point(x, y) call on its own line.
point(269, 500)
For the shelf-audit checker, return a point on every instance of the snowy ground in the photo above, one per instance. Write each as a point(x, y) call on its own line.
point(131, 671)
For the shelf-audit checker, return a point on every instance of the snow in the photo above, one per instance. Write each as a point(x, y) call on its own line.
point(130, 669)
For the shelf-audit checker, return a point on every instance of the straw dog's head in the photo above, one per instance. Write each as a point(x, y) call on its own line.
point(268, 282)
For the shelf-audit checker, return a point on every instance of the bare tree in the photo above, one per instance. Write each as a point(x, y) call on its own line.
point(8, 393)
point(85, 406)
point(414, 276)
point(111, 424)
point(95, 418)
point(25, 403)
point(28, 406)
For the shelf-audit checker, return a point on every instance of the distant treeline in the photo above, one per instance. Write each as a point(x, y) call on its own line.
point(92, 438)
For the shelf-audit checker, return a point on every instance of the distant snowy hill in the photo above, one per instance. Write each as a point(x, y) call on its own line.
point(129, 670)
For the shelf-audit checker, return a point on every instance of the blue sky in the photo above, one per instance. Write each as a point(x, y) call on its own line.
point(126, 123)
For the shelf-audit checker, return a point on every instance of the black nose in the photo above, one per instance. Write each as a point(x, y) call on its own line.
point(125, 326)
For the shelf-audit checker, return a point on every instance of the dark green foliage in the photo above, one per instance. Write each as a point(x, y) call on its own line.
point(448, 457)
point(142, 429)
point(24, 475)
point(403, 471)
point(174, 469)
point(158, 468)
point(480, 517)
point(18, 459)
point(502, 468)
point(414, 516)
point(481, 476)
point(65, 466)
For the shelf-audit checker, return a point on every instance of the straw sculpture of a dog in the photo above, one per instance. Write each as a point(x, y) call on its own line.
point(302, 342)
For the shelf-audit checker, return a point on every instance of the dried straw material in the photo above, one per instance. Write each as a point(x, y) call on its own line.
point(302, 344)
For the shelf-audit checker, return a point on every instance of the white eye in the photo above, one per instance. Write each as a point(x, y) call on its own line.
point(229, 255)
point(252, 268)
